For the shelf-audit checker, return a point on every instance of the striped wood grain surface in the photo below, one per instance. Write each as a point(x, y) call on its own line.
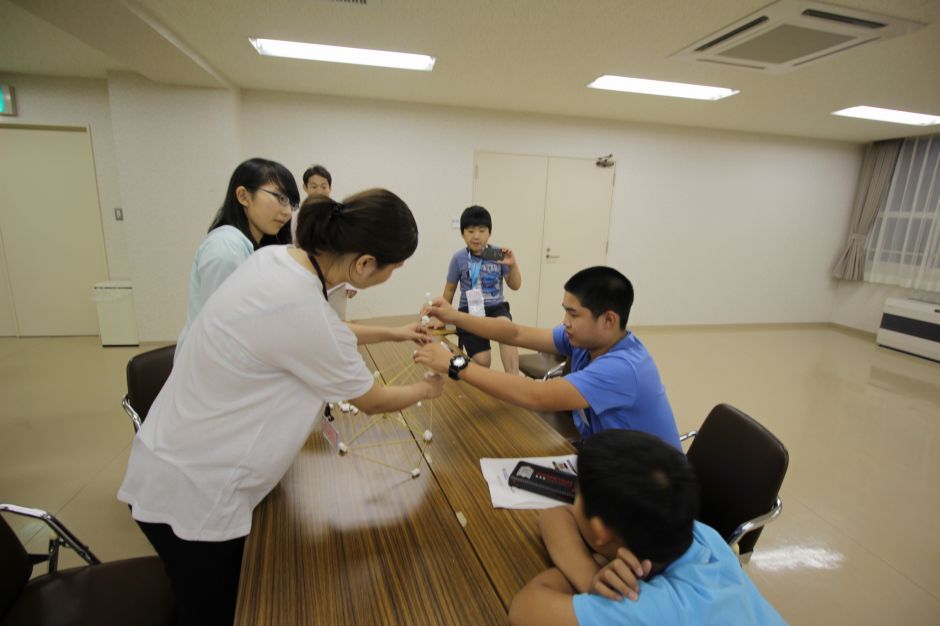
point(342, 540)
point(469, 425)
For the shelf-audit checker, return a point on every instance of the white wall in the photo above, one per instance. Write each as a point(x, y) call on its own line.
point(721, 228)
point(176, 150)
point(713, 227)
point(54, 101)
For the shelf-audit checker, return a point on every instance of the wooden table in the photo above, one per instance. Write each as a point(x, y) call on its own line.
point(345, 540)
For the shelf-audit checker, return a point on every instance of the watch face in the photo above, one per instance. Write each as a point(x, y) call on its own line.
point(460, 361)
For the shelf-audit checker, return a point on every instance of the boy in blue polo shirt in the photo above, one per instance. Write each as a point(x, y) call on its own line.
point(481, 277)
point(613, 383)
point(636, 504)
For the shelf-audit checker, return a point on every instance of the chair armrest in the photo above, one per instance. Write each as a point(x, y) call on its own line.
point(63, 535)
point(754, 524)
point(555, 371)
point(126, 405)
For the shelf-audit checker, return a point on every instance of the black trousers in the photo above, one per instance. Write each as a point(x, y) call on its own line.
point(203, 574)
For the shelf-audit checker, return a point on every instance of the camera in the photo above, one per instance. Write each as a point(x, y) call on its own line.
point(491, 253)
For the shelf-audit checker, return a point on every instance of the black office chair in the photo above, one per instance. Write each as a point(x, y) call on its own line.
point(146, 374)
point(740, 467)
point(542, 365)
point(132, 591)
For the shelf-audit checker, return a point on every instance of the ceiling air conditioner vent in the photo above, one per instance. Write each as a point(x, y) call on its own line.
point(845, 19)
point(791, 33)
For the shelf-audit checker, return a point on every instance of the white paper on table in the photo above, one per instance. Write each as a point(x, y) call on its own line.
point(496, 473)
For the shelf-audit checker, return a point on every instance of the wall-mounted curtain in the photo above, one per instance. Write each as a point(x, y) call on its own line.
point(870, 194)
point(903, 247)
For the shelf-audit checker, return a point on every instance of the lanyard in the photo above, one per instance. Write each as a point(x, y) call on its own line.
point(473, 272)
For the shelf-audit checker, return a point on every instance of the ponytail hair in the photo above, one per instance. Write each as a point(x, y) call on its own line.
point(375, 222)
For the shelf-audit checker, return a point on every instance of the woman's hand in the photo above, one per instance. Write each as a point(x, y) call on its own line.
point(620, 578)
point(434, 356)
point(415, 332)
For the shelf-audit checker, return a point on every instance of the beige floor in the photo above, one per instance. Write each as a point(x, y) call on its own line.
point(856, 543)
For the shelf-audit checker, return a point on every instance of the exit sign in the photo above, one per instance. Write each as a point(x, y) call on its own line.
point(8, 102)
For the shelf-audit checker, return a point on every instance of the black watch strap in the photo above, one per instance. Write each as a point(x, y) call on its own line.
point(457, 363)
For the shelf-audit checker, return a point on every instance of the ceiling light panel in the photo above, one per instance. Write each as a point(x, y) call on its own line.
point(340, 54)
point(661, 88)
point(889, 115)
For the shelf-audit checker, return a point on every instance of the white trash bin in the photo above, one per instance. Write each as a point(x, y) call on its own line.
point(117, 321)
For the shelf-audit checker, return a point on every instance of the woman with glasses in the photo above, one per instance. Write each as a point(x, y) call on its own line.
point(257, 204)
point(250, 385)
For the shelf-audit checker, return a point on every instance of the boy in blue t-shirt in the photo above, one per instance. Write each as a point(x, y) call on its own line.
point(480, 270)
point(636, 505)
point(613, 383)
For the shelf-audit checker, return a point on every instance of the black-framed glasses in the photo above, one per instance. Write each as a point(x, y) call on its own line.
point(281, 198)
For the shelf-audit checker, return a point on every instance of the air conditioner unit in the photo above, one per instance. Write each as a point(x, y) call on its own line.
point(791, 33)
point(911, 326)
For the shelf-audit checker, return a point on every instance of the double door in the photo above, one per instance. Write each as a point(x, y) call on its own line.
point(554, 213)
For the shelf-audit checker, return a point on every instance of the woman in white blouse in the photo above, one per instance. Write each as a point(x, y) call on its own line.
point(249, 385)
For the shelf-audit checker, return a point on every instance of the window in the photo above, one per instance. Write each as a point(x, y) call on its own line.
point(903, 247)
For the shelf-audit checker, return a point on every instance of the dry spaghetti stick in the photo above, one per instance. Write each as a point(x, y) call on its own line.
point(400, 374)
point(409, 361)
point(377, 462)
point(371, 424)
point(386, 443)
point(408, 425)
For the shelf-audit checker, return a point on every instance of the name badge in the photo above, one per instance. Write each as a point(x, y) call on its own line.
point(330, 433)
point(475, 303)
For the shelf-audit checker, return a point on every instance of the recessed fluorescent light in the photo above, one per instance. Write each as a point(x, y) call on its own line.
point(339, 54)
point(889, 115)
point(661, 88)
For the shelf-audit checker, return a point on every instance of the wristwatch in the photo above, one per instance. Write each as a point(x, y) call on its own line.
point(457, 363)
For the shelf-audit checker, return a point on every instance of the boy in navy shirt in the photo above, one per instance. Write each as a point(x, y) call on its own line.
point(613, 383)
point(636, 504)
point(481, 285)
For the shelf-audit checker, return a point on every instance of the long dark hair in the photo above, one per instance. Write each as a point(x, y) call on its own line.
point(251, 175)
point(375, 222)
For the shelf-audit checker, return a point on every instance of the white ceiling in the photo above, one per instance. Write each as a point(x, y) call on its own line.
point(514, 55)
